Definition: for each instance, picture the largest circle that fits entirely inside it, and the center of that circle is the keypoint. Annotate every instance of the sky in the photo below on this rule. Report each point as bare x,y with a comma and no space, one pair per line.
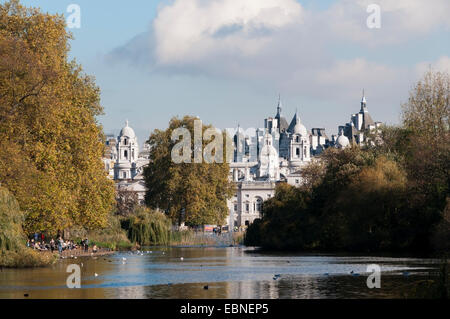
227,61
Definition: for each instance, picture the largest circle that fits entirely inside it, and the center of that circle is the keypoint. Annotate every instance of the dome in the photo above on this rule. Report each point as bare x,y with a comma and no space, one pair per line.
299,128
342,141
127,131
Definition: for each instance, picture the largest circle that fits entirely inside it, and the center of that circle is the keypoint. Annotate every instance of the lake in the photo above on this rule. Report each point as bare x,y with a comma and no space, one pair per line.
229,272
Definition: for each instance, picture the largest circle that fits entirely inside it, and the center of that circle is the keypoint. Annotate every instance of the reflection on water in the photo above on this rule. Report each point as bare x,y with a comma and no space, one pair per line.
228,272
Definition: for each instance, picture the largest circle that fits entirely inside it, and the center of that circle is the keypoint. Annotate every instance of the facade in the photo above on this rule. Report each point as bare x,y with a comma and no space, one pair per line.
125,163
274,154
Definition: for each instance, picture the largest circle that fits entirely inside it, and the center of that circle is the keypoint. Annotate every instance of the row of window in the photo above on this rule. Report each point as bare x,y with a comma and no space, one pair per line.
257,206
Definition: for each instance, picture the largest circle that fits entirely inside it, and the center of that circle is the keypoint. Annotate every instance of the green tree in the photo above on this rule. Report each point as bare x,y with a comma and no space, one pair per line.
51,143
194,193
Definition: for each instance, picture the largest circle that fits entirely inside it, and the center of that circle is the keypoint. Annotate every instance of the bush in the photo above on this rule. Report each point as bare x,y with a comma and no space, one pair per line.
147,227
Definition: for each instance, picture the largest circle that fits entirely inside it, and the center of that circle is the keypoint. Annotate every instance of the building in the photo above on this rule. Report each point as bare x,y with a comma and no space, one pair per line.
274,154
125,163
356,131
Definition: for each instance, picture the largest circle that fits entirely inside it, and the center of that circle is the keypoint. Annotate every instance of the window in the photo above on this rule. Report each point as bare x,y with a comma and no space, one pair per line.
297,151
297,181
247,207
247,223
259,205
124,174
298,139
235,207
125,154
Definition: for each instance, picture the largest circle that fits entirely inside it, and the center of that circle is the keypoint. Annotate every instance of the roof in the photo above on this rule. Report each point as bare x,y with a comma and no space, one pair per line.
367,120
282,123
127,131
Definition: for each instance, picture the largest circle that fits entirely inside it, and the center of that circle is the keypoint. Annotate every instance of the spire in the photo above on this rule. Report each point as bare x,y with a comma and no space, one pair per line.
238,129
126,123
279,107
363,102
297,119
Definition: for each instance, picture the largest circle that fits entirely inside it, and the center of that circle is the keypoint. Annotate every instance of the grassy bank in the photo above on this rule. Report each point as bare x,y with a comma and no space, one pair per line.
27,258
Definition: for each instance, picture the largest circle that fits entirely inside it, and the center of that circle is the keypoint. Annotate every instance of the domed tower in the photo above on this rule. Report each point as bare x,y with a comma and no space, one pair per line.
342,140
127,154
268,159
299,143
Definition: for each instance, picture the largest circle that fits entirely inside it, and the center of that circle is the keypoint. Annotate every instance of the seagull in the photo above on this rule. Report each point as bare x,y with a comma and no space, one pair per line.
95,274
123,258
181,258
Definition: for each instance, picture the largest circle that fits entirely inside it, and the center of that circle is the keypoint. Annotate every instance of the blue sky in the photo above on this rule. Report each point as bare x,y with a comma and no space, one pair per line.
227,60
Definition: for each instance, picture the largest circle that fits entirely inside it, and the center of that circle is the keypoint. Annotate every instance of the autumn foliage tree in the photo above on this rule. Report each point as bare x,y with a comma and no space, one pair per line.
193,193
50,142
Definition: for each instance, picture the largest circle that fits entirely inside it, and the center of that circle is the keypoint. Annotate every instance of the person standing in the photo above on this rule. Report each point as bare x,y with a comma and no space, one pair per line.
86,245
52,245
60,245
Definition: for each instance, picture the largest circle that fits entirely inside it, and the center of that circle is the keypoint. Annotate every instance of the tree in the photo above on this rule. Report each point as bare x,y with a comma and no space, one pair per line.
126,201
427,160
194,193
51,143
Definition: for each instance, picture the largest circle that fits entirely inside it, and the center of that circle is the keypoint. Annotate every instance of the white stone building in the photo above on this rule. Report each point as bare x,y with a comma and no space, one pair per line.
125,163
355,131
275,154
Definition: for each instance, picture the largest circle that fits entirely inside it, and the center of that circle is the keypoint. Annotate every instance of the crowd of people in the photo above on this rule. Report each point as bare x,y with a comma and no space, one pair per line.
37,242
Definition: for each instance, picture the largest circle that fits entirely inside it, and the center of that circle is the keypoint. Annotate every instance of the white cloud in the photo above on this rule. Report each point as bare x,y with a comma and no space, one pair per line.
416,15
287,48
192,30
442,64
401,20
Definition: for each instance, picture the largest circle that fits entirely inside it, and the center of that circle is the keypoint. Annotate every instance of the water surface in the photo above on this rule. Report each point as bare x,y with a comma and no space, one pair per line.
232,272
